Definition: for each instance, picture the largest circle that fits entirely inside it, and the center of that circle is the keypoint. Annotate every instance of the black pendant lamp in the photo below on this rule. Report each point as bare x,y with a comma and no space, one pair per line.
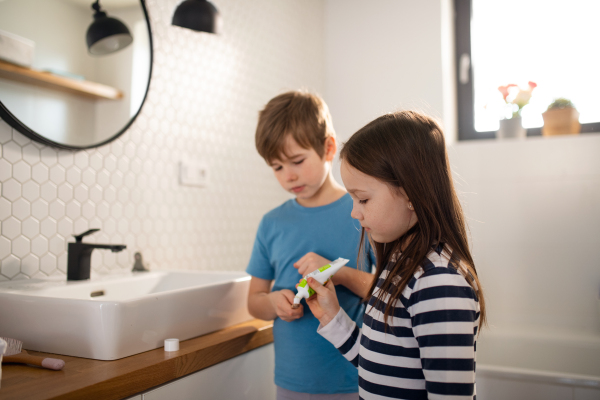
197,15
106,35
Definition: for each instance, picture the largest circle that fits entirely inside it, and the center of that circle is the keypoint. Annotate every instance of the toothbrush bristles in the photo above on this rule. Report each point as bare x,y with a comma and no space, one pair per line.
14,346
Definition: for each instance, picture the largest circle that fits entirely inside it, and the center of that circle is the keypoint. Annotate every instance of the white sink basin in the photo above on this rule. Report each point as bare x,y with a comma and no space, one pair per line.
115,317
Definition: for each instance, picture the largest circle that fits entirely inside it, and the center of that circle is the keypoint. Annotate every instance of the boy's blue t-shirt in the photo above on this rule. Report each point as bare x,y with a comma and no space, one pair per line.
304,361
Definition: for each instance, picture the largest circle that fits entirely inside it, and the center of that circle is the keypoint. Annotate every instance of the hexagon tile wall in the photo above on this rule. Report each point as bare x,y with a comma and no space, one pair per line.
204,97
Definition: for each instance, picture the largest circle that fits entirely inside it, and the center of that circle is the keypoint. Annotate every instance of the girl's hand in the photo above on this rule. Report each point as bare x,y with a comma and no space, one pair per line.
282,304
324,303
309,263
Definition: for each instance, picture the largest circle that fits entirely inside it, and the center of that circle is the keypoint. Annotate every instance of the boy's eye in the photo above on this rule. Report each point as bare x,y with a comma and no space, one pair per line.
299,162
277,168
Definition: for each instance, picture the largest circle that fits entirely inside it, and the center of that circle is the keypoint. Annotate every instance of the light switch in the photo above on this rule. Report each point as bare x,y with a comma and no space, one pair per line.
193,174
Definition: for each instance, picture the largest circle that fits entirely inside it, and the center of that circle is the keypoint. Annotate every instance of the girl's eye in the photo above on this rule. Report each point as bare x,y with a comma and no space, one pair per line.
362,202
277,168
299,162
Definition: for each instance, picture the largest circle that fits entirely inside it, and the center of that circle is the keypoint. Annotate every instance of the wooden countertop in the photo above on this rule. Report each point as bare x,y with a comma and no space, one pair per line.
93,379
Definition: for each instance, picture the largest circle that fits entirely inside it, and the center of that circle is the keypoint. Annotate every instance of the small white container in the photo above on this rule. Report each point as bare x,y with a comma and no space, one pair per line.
3,346
16,49
171,344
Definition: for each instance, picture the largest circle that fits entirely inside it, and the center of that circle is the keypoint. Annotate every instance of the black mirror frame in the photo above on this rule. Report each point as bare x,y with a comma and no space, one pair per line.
15,123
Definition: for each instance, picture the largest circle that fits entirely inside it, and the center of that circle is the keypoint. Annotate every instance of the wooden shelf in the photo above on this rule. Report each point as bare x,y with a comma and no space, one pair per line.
48,80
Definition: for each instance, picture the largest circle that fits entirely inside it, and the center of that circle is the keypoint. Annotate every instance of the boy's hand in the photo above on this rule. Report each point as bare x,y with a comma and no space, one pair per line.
309,263
282,304
324,303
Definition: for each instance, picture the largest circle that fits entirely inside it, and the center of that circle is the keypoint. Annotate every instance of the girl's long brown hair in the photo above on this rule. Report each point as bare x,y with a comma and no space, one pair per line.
407,150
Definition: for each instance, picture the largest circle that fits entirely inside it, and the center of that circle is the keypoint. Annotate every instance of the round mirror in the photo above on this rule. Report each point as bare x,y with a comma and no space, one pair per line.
64,80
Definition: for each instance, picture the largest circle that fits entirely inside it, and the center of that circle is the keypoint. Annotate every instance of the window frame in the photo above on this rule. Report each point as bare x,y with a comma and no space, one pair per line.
464,90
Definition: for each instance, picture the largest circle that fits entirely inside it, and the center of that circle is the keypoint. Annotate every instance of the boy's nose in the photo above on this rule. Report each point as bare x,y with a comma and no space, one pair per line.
291,176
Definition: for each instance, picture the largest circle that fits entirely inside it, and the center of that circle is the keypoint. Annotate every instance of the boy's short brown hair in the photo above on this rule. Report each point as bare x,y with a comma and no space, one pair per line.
301,114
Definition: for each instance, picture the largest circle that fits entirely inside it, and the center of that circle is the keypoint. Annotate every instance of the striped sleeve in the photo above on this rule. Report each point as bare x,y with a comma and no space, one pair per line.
444,313
344,334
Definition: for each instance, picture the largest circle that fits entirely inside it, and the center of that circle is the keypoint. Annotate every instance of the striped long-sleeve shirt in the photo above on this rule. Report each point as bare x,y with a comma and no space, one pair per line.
428,350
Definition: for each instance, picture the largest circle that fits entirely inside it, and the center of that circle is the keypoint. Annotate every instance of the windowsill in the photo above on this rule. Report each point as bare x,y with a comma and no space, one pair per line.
529,139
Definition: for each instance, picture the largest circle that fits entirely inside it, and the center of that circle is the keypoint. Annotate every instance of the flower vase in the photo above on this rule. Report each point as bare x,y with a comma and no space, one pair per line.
511,129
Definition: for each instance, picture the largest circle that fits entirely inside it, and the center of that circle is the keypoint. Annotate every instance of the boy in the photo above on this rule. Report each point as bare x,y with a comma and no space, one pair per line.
295,136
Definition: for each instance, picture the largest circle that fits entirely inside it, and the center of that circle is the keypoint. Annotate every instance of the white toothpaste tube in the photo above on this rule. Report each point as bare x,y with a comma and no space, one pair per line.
321,275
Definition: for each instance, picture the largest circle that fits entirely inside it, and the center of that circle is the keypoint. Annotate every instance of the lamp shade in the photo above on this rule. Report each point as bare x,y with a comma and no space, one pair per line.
106,35
198,15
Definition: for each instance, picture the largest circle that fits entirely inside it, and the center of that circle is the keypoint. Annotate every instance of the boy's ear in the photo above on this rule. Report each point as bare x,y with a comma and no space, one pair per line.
330,148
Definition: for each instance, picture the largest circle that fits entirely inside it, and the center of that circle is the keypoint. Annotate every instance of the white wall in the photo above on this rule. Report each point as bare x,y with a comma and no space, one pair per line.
60,49
203,104
533,210
385,55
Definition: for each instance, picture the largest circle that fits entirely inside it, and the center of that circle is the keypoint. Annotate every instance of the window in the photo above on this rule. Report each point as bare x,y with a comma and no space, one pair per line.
552,43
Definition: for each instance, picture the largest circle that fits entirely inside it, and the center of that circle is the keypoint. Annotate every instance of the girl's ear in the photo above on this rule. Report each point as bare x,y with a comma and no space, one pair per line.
330,148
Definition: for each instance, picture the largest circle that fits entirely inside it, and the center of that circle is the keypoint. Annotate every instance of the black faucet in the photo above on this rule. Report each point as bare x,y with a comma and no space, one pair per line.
80,254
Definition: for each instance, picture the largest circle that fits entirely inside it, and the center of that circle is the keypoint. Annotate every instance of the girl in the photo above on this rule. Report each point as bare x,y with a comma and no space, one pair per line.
424,310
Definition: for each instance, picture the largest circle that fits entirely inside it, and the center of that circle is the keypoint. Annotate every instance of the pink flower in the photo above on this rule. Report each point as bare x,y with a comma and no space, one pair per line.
504,90
516,98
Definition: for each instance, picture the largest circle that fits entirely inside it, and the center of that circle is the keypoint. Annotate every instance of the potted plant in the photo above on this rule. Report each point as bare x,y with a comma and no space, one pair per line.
561,118
515,98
